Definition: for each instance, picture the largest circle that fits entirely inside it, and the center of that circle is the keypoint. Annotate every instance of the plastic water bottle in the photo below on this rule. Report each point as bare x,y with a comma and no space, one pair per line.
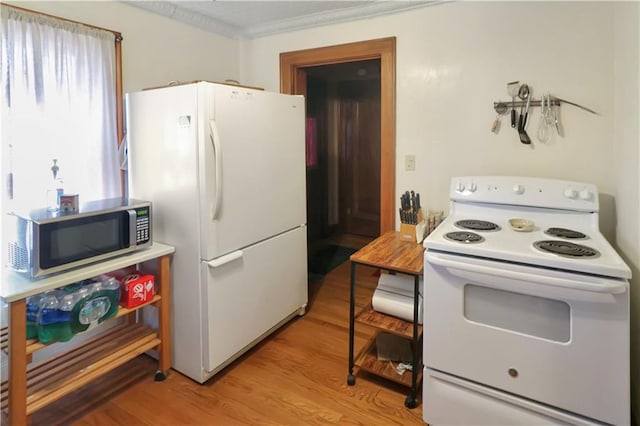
57,315
48,313
53,317
102,303
33,307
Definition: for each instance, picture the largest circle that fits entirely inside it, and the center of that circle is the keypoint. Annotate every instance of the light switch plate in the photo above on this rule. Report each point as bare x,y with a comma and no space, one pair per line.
409,163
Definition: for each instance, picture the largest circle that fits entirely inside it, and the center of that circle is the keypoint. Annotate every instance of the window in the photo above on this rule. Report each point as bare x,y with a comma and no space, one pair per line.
61,100
59,103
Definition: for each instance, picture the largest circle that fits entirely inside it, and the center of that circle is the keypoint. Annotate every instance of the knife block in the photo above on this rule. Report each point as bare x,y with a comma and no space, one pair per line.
408,231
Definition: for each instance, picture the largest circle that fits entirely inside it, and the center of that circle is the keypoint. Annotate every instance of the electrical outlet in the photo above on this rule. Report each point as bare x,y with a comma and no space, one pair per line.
409,162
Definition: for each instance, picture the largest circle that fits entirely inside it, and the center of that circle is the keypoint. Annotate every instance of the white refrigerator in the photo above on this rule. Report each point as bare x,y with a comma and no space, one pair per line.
224,167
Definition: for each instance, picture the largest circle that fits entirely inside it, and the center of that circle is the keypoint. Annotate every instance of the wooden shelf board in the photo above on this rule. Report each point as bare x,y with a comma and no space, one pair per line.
59,376
392,253
387,323
125,311
95,347
367,360
34,345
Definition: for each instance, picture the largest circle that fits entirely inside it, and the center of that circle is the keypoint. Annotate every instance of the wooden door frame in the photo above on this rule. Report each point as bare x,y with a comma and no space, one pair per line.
293,80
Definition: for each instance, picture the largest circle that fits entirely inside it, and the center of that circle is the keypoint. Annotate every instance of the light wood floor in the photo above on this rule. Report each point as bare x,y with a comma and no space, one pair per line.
297,376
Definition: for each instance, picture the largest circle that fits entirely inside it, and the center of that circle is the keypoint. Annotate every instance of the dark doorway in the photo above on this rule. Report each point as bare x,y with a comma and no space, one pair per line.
343,150
337,205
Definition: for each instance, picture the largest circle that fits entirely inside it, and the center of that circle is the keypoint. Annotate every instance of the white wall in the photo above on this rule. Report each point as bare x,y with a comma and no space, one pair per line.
627,164
453,62
155,49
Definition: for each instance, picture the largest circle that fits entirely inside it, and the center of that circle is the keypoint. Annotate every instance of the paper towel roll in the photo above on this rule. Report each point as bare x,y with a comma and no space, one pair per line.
399,284
395,304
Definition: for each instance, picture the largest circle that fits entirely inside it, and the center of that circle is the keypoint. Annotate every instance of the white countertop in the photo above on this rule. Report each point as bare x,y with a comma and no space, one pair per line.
16,286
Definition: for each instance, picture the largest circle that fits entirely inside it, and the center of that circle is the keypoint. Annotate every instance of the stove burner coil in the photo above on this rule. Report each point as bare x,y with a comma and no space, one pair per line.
477,225
464,237
565,233
567,249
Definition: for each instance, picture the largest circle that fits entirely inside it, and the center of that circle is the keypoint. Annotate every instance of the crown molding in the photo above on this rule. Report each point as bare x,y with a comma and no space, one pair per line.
370,10
172,10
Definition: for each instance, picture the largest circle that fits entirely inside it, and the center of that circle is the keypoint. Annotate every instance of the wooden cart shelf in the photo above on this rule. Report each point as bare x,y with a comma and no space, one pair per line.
388,323
33,385
367,360
34,345
54,378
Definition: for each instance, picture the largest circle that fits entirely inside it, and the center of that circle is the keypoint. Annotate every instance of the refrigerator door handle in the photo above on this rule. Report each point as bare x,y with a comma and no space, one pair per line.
223,260
217,155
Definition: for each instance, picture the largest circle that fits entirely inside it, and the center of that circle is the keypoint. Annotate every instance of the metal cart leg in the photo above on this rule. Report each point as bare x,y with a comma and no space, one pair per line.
351,380
411,402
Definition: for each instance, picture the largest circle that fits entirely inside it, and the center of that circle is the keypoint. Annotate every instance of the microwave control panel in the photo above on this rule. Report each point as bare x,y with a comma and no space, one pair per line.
143,225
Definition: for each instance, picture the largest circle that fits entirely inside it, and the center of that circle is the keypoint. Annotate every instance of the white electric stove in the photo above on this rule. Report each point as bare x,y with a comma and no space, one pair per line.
526,308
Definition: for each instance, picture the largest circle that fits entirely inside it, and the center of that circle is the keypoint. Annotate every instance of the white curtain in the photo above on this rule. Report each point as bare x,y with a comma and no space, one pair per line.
58,102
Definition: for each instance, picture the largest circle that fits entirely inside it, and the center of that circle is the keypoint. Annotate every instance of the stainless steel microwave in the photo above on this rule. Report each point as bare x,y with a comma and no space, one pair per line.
46,242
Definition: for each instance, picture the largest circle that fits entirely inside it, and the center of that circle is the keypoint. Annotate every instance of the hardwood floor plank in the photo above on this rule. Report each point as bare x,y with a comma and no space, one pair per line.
297,376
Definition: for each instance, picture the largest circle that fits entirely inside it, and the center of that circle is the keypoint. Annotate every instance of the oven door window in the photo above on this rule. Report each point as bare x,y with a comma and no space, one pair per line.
521,313
69,241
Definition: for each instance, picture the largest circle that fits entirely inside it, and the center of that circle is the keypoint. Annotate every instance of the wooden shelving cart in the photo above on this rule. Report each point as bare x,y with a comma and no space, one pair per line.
32,386
393,253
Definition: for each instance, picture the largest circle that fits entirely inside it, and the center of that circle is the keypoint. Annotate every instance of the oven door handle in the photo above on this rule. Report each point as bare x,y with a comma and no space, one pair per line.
600,285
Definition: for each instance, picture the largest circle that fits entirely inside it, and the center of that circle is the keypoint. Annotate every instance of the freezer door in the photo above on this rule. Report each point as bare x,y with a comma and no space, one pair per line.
252,166
249,292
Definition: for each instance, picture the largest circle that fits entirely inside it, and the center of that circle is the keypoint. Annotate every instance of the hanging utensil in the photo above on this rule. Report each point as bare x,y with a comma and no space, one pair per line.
523,93
501,108
545,119
555,119
512,88
526,111
549,113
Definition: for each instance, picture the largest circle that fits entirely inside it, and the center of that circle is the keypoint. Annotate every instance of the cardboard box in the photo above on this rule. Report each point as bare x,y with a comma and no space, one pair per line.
136,289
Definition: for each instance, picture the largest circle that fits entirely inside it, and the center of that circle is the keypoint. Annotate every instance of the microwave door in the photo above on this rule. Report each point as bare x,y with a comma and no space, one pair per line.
66,242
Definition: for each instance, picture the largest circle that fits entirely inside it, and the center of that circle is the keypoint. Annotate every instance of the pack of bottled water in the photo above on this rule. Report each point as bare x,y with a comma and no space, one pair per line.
57,315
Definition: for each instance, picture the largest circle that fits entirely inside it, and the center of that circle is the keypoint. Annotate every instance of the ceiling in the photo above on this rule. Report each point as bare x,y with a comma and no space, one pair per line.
245,19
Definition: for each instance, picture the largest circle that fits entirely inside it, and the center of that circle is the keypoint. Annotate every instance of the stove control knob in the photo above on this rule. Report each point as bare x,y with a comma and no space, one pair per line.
571,193
586,195
472,187
518,189
460,187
